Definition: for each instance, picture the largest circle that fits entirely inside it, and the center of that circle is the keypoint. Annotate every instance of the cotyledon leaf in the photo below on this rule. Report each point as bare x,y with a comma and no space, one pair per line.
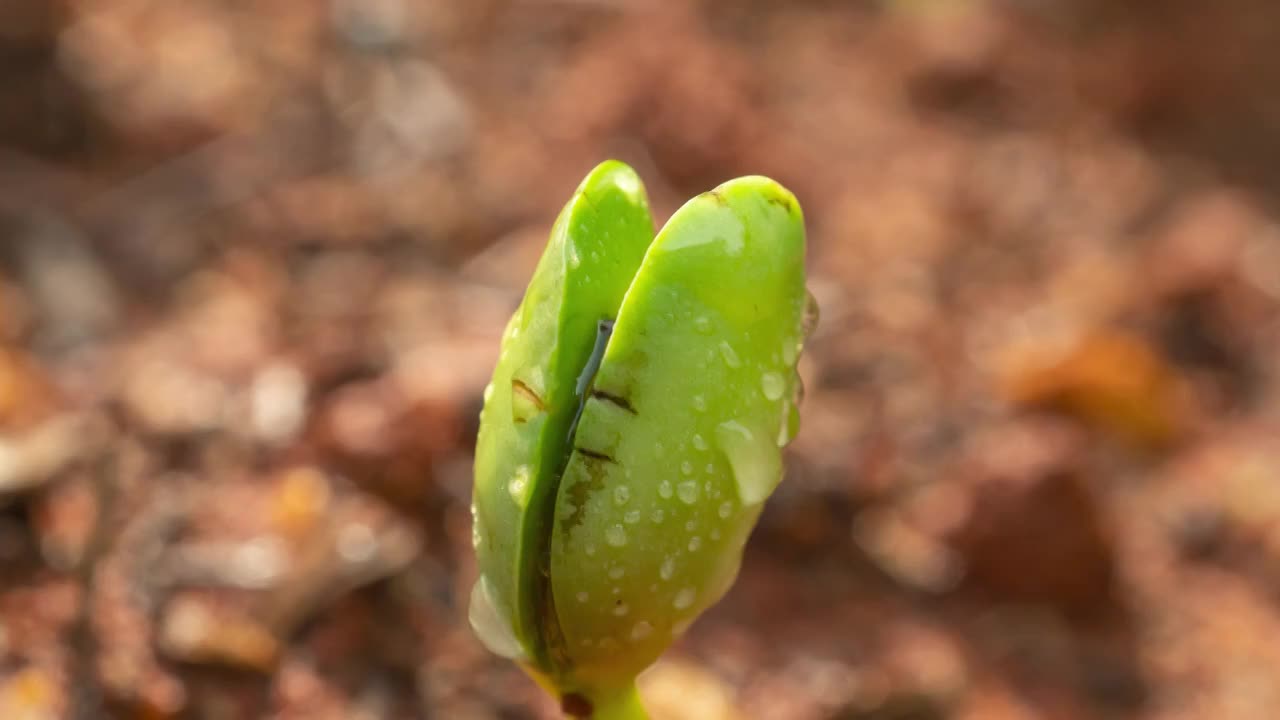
634,428
596,246
679,442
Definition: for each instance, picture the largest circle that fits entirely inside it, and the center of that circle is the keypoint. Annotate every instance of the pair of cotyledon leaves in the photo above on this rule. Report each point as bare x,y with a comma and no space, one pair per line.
634,425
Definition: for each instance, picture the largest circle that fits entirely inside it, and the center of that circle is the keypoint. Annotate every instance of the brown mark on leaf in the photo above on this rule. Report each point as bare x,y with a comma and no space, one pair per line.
596,455
583,480
782,201
518,387
614,399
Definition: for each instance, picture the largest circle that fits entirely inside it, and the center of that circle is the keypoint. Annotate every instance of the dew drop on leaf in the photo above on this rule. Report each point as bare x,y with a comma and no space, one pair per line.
641,630
688,492
772,384
756,466
493,629
518,487
729,354
616,536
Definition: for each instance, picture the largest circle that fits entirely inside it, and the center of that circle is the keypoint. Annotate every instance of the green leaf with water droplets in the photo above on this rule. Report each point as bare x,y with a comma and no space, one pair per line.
596,247
677,447
634,428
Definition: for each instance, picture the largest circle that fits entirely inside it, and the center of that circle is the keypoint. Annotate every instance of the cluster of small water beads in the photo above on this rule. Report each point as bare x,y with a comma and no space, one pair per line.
756,468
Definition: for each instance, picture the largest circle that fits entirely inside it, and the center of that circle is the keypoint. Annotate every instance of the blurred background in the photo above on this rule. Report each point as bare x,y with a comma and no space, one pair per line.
256,257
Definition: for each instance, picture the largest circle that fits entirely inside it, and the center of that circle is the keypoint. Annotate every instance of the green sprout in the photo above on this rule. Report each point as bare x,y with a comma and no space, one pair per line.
634,428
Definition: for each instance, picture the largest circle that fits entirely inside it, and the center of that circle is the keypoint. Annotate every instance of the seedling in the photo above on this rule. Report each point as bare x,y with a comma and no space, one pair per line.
634,428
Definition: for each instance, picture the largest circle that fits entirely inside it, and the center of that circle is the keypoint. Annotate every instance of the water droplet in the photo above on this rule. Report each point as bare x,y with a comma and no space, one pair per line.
730,357
664,489
621,609
657,515
591,550
689,526
641,630
632,517
616,572
519,486
789,423
668,568
695,542
699,403
490,625
572,251
616,536
789,352
684,598
772,384
582,596
726,507
488,392
688,492
686,467
475,535
621,495
756,466
702,324
809,321
699,442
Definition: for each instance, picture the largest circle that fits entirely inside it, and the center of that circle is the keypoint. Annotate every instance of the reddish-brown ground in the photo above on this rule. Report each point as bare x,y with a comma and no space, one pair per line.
255,259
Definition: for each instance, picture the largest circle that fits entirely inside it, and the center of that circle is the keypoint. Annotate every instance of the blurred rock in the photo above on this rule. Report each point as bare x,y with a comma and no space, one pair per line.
682,690
1113,382
1036,532
913,557
32,458
28,394
73,298
32,693
374,434
153,64
65,517
197,629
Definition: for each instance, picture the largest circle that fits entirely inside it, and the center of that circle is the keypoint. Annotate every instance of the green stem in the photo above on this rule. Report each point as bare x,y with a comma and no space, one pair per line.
617,704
